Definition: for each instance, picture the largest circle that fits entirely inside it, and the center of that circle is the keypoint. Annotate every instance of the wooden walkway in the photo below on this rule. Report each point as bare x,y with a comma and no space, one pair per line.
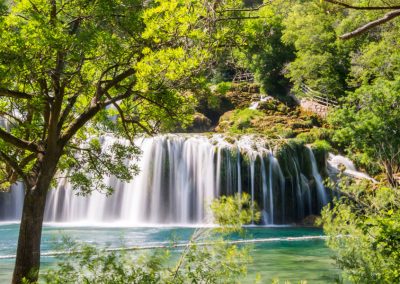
244,77
316,102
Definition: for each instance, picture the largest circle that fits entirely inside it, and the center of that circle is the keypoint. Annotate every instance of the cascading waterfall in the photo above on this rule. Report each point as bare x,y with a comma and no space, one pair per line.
11,203
181,174
323,197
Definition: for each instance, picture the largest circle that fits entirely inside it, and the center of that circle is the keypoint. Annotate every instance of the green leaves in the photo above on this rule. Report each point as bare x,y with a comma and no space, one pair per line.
320,61
90,165
232,212
208,257
90,69
369,122
363,229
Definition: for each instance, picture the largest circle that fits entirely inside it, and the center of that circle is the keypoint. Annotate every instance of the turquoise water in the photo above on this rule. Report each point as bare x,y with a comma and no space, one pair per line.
293,260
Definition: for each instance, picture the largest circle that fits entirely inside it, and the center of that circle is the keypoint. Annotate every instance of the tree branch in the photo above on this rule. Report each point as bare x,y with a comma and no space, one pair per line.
67,110
117,79
87,115
386,18
13,165
19,143
96,105
362,7
80,122
238,18
242,9
124,121
167,110
27,160
14,94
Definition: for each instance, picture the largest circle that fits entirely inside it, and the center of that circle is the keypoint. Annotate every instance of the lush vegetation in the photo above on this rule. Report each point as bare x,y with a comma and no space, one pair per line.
207,258
72,71
363,228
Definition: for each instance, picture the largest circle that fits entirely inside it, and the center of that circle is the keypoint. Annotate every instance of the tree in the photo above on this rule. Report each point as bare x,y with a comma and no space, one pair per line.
369,122
264,53
320,62
208,257
380,6
363,232
73,71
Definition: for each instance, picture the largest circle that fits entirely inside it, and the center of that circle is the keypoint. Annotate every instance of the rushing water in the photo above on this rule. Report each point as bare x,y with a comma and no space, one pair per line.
181,174
294,260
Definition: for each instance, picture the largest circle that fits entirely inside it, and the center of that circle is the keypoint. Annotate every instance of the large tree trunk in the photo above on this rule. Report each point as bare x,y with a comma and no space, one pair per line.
28,251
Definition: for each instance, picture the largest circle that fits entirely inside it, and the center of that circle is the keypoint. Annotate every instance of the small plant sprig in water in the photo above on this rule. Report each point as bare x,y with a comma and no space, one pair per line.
208,257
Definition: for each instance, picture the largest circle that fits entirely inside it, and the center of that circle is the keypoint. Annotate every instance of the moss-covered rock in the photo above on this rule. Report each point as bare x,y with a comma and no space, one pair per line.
200,123
273,119
238,121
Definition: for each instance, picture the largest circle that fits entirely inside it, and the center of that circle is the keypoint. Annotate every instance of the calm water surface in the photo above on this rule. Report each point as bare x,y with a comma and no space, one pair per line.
294,260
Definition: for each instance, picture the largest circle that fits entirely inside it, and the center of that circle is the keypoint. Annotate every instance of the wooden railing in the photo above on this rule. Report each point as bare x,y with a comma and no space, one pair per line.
318,97
244,77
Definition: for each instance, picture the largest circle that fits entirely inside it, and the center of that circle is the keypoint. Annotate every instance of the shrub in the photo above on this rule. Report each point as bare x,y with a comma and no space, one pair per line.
363,228
206,258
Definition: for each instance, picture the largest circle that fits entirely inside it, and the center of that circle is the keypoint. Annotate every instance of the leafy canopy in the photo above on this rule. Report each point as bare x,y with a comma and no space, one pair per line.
74,71
369,122
363,231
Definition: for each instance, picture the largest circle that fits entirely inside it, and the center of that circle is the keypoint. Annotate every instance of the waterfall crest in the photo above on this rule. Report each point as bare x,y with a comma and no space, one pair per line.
181,174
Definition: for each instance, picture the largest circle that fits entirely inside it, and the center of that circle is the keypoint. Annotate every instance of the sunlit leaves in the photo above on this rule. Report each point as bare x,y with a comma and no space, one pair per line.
208,257
363,229
369,123
320,62
232,212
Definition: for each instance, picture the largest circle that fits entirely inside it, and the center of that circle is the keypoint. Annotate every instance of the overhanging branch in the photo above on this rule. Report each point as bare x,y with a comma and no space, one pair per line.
242,9
89,114
14,94
339,3
19,143
12,164
386,18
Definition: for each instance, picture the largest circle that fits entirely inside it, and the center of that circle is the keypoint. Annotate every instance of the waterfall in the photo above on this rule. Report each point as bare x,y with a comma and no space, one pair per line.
336,161
181,174
11,203
322,195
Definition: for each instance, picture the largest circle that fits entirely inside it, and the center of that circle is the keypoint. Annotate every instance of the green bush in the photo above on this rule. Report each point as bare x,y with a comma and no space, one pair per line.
207,258
316,133
363,229
223,88
321,146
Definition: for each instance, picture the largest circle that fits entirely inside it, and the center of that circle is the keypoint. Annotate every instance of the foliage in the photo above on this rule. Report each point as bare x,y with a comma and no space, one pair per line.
265,54
223,87
321,63
369,122
321,146
207,258
376,59
363,231
72,72
64,74
317,133
231,212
